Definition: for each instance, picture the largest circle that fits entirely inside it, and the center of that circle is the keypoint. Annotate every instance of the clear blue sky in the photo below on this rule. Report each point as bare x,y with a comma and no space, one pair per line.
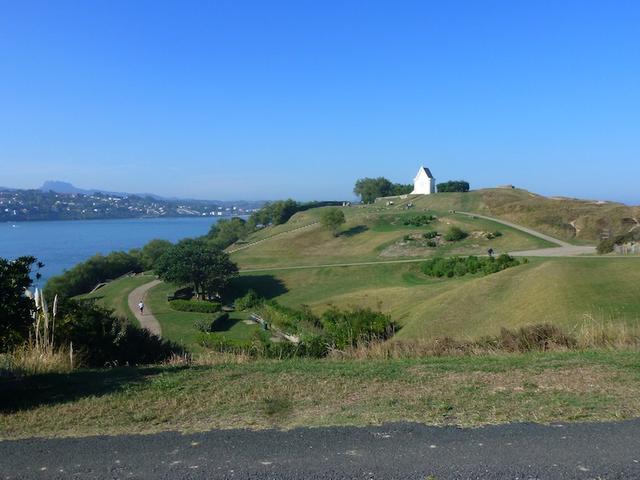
265,100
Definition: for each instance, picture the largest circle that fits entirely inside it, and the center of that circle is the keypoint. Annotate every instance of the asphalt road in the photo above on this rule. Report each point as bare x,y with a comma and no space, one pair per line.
402,451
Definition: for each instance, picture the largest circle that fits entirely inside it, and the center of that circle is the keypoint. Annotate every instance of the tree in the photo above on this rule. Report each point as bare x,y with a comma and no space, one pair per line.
199,264
332,218
152,251
15,306
228,232
368,189
453,186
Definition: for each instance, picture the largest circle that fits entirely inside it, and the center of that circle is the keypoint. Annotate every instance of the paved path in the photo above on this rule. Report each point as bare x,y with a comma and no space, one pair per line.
396,451
248,245
147,320
564,249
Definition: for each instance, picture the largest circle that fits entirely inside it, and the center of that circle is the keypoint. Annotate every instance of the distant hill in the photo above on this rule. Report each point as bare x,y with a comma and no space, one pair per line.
566,218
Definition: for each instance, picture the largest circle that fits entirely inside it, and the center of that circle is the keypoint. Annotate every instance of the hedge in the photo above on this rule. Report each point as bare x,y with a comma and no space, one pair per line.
195,306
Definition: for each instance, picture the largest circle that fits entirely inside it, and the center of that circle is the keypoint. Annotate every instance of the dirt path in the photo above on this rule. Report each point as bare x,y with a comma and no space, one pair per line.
564,249
147,320
248,245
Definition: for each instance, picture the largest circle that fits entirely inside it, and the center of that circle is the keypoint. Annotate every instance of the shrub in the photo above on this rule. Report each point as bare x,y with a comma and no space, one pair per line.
86,275
432,243
492,235
605,246
453,186
430,235
461,266
195,306
250,300
102,339
418,220
455,234
407,238
350,327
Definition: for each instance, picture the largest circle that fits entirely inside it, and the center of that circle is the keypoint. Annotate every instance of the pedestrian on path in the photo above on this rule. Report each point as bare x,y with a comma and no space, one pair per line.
141,307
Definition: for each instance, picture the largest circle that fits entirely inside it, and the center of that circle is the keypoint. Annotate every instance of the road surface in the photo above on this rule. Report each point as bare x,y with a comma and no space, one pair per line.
147,320
564,249
397,451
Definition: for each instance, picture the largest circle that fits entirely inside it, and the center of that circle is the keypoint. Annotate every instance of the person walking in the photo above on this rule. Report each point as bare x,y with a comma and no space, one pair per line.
141,307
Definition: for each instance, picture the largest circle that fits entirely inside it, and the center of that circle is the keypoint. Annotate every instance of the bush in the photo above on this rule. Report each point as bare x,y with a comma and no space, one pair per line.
432,243
359,325
209,324
250,300
605,246
195,306
430,235
102,339
492,235
86,275
461,266
453,186
418,220
455,234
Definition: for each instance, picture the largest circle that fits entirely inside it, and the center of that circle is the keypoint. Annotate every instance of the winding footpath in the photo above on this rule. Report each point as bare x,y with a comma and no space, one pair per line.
564,249
147,320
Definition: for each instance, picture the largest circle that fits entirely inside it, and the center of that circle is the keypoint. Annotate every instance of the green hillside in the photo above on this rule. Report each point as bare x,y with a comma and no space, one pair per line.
565,218
372,233
568,292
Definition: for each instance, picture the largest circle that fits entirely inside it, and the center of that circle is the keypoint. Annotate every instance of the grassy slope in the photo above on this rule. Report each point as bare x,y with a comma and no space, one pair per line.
286,394
368,231
549,215
114,295
563,291
179,326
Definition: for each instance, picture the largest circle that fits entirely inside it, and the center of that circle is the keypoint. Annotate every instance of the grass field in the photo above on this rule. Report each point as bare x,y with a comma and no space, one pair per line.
373,233
465,391
564,291
579,221
179,326
114,295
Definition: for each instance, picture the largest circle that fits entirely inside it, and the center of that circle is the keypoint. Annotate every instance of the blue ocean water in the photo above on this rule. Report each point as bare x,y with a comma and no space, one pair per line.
62,244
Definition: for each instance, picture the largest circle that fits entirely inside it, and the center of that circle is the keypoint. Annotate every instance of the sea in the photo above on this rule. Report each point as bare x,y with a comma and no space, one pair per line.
62,244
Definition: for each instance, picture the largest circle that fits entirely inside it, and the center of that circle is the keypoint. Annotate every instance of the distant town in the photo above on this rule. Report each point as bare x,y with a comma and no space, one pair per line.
38,204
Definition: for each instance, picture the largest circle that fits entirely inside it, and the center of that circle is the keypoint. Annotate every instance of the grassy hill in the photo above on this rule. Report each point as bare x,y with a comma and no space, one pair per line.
372,233
568,292
565,218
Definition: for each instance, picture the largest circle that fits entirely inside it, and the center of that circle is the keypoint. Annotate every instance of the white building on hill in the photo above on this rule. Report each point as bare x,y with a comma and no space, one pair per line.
424,183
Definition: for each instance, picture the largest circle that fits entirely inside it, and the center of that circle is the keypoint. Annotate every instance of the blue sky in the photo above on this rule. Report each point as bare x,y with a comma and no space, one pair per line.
265,100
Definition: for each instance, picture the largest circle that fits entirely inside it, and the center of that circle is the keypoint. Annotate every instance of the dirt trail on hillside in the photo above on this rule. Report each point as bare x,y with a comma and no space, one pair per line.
147,320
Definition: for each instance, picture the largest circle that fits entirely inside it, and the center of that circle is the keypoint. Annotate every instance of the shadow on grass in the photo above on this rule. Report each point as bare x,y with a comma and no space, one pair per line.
353,231
225,324
266,286
56,388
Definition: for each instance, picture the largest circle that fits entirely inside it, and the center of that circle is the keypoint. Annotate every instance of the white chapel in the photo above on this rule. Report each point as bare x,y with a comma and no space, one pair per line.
424,183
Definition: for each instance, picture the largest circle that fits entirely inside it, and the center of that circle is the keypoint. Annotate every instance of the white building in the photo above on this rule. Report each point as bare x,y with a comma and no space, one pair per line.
424,183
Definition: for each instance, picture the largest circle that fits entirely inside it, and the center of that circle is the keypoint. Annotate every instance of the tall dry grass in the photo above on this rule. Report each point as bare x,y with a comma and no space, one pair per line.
591,334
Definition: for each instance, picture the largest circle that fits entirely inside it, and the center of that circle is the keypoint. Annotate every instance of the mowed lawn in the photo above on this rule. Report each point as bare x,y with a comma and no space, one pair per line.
468,391
114,295
179,326
368,235
568,292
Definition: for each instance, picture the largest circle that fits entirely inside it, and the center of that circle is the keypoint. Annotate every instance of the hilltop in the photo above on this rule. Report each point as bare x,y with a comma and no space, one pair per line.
566,218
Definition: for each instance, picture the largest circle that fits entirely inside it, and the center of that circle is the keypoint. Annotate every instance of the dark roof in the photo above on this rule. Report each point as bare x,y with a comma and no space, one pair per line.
427,171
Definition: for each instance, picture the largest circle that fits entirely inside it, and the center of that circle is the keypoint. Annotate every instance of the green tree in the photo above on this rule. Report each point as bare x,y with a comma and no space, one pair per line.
15,306
227,232
453,186
455,234
199,264
152,251
333,219
368,189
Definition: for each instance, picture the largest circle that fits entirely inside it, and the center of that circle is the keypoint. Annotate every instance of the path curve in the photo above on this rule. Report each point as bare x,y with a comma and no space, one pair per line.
564,249
147,321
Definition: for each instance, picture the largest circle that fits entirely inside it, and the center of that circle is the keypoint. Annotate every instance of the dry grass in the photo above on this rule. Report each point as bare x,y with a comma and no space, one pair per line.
468,391
30,360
